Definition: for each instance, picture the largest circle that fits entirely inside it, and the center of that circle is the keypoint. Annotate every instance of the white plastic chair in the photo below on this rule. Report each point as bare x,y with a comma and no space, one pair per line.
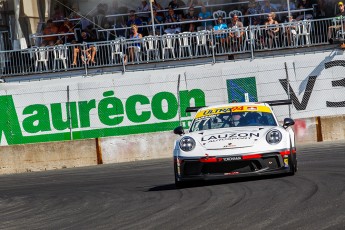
60,55
117,51
303,31
168,44
185,43
151,46
218,13
41,56
236,12
201,42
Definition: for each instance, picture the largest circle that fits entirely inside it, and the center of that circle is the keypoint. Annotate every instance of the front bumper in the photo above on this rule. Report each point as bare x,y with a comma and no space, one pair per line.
235,166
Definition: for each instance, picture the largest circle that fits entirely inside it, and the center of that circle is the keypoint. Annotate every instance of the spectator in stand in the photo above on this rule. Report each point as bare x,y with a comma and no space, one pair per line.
66,27
253,8
205,15
171,18
58,13
320,9
144,7
134,20
87,48
156,5
267,8
50,29
75,12
304,4
174,4
136,45
285,7
237,32
337,27
194,3
290,30
219,32
272,28
191,27
157,20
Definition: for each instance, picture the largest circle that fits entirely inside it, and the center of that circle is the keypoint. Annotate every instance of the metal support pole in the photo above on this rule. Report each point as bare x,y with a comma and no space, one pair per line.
152,19
288,86
69,114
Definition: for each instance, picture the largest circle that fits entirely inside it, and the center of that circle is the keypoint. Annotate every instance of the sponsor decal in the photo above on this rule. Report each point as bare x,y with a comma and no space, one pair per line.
227,109
230,136
107,116
235,158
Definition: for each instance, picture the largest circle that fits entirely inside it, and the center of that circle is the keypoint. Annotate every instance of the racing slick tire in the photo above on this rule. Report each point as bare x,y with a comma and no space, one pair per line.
293,164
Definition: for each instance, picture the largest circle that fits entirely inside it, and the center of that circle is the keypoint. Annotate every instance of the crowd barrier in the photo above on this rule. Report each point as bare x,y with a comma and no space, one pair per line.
186,45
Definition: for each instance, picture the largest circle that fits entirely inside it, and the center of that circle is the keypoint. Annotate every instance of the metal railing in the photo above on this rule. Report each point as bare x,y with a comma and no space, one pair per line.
203,44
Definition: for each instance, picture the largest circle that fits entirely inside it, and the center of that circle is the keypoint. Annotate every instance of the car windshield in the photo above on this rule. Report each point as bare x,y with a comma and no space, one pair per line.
235,119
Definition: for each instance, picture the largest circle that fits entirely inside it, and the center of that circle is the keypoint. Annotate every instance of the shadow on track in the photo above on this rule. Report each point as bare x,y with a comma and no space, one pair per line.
191,184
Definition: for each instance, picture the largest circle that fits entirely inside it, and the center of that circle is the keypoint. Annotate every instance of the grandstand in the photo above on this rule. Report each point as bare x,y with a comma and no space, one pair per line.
107,50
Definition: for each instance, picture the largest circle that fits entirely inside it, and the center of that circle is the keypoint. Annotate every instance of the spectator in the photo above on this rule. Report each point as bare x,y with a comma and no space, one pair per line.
171,18
156,5
75,12
285,7
205,15
336,27
290,30
58,13
193,3
272,28
144,7
157,20
174,4
50,30
191,27
267,8
304,4
219,31
135,46
66,27
237,32
253,8
88,49
133,20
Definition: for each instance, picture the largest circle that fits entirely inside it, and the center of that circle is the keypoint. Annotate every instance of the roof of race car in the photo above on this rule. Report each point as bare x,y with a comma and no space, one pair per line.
234,107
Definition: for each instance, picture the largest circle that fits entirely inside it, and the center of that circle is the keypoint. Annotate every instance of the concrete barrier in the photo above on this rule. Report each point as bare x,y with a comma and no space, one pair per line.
333,128
137,147
57,155
47,156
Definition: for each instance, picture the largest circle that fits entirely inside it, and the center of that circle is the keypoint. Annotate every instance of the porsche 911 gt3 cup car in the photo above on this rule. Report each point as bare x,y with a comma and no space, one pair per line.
231,140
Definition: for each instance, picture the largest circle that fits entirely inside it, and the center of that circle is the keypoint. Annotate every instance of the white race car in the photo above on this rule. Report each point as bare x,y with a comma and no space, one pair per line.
234,140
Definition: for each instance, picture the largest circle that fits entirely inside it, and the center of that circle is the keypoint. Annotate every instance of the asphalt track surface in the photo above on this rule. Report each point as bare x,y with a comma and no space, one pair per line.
141,195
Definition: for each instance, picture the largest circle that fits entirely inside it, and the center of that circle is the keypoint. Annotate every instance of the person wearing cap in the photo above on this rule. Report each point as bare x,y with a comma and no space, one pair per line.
339,25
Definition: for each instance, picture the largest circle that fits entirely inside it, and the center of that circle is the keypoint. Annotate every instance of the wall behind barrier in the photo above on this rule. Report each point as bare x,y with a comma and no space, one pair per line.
145,102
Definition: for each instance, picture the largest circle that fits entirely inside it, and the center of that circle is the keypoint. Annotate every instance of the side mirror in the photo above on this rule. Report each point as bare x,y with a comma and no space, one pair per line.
288,122
179,130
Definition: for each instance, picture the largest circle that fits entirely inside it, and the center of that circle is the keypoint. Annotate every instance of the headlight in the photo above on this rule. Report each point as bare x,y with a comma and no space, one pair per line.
274,137
187,144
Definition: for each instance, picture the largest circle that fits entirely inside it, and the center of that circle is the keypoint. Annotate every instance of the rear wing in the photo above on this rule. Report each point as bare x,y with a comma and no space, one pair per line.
271,103
194,109
278,102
